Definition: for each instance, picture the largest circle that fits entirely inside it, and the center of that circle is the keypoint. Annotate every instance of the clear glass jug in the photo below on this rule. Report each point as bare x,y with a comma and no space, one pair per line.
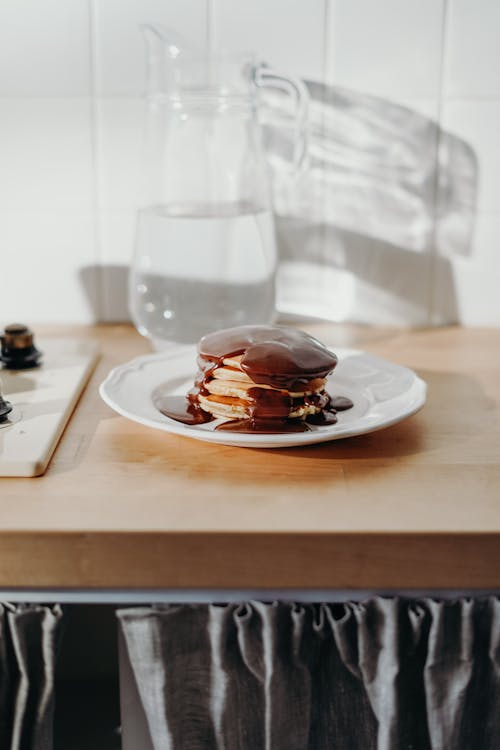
205,255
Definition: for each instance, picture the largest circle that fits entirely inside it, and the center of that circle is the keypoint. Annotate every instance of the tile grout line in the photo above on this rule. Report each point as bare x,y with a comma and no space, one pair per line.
94,143
328,40
493,98
328,21
433,261
210,26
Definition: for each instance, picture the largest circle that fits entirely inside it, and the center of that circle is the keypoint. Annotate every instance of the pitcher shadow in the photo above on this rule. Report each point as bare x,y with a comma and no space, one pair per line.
387,202
385,205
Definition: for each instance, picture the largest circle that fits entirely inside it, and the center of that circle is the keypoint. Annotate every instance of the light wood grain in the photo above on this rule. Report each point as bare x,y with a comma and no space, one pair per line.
414,505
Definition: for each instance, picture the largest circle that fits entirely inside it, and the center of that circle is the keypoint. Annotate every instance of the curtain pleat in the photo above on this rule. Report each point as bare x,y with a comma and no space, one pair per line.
29,635
383,674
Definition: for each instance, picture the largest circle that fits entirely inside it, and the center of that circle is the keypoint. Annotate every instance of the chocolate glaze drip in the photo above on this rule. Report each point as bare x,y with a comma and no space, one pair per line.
182,409
340,403
267,404
272,355
265,426
283,358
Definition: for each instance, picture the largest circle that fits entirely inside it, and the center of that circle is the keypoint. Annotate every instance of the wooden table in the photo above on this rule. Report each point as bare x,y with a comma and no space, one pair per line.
414,506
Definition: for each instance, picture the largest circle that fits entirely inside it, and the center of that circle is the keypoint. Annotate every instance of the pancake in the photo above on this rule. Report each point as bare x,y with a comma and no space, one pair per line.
259,379
262,373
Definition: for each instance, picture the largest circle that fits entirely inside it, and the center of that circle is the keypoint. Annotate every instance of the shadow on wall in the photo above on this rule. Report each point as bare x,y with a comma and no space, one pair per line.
367,232
114,289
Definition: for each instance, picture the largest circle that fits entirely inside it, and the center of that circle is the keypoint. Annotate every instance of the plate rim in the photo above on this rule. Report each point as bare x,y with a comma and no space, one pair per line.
278,440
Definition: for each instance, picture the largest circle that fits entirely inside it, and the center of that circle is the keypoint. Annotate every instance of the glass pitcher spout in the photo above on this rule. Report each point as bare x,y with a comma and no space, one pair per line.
163,46
177,69
160,40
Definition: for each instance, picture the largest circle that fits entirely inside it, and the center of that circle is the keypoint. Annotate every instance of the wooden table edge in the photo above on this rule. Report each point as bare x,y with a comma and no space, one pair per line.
245,560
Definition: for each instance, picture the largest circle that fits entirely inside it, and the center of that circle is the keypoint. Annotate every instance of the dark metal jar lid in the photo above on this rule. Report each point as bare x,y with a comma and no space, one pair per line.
18,350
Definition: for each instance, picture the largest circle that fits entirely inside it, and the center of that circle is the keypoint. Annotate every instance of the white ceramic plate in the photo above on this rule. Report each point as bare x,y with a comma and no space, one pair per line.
383,393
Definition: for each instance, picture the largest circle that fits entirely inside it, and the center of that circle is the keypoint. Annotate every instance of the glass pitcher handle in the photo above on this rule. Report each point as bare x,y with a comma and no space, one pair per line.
294,87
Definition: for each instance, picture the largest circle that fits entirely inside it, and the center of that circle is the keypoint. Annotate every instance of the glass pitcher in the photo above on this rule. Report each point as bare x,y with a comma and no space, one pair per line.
205,254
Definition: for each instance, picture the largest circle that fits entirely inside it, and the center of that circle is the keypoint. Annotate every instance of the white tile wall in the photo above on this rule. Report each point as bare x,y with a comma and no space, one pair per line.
117,234
471,109
287,34
71,78
474,49
477,277
44,48
427,106
50,263
477,122
45,153
389,48
47,233
119,138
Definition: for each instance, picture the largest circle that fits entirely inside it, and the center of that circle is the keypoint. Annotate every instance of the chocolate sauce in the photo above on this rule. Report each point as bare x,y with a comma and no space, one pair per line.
340,403
272,355
283,358
267,404
322,418
263,426
182,410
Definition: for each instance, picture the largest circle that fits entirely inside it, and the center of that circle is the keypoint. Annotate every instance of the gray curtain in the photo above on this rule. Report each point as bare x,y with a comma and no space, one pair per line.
385,674
29,635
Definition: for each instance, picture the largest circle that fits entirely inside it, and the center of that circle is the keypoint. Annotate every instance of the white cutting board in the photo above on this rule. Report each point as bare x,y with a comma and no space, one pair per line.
43,400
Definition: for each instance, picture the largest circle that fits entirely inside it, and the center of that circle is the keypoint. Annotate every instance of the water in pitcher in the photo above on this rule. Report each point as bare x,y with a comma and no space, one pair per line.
198,268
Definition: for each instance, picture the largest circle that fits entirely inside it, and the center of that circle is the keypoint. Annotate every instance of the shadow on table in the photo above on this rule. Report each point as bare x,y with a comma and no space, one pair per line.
441,424
441,429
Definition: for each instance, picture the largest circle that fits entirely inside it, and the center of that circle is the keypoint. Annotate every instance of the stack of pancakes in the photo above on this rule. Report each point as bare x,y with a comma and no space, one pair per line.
232,394
262,373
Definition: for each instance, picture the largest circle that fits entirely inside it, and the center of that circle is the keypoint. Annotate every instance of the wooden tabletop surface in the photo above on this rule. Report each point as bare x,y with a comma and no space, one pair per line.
416,505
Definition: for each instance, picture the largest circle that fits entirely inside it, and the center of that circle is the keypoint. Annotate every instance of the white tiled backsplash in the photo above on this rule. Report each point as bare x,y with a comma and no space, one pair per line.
71,80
